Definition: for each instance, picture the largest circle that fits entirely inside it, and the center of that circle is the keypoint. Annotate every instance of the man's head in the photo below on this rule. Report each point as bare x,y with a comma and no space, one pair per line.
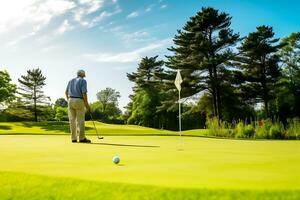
81,73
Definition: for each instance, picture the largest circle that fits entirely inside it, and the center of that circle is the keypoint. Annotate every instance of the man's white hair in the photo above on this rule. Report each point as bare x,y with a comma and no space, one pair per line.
80,72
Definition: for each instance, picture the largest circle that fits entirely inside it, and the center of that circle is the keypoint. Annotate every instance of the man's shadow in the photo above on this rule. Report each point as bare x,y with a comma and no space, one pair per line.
124,145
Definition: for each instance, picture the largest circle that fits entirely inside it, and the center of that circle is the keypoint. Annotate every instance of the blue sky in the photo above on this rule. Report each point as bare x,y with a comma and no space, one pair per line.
107,38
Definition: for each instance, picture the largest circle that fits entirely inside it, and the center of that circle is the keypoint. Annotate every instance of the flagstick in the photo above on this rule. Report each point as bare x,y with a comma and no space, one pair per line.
177,82
179,113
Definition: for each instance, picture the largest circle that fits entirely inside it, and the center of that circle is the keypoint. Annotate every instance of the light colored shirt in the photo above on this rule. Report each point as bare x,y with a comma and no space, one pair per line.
76,87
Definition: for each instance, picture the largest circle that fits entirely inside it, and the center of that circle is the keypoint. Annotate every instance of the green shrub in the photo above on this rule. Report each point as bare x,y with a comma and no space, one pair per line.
61,114
293,129
262,128
239,130
218,128
244,131
276,131
249,131
212,125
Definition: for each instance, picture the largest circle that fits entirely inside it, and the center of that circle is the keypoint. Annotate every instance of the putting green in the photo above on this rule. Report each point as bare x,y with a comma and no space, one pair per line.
59,128
173,162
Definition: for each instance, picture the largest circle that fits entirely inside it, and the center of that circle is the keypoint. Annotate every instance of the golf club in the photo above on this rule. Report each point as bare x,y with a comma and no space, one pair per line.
99,137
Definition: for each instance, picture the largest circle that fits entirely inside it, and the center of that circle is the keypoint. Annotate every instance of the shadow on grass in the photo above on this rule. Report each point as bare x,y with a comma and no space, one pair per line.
3,127
51,126
125,145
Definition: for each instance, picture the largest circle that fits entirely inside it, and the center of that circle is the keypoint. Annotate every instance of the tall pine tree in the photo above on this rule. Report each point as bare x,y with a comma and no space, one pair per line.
289,96
259,64
31,92
201,51
146,98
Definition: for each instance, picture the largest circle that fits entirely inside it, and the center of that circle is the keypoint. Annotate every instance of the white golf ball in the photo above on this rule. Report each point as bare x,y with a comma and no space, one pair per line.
116,159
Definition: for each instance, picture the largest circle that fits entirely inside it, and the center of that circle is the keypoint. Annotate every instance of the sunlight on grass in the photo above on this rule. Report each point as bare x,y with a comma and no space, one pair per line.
25,186
105,129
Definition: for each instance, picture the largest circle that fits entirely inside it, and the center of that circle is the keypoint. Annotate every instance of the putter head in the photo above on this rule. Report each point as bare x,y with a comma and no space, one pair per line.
100,138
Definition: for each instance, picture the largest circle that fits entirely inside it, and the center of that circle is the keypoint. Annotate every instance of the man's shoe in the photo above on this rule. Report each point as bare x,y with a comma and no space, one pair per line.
74,141
85,141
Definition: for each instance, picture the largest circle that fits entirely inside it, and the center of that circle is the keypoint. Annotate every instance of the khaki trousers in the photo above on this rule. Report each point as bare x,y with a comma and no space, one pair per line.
76,117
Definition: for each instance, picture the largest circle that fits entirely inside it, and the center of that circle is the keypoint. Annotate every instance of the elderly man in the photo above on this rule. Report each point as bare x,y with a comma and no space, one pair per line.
76,94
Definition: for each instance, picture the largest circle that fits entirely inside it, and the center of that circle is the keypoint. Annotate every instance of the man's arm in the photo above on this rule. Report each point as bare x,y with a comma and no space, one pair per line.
84,95
86,102
67,94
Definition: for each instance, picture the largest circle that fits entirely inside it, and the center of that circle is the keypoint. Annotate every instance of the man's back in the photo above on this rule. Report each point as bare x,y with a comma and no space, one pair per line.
76,87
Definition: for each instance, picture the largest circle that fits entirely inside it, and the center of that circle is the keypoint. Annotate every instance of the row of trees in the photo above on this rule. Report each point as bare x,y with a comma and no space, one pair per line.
28,101
224,76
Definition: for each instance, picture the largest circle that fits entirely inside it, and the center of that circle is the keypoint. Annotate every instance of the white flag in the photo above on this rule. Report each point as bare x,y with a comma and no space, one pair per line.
178,80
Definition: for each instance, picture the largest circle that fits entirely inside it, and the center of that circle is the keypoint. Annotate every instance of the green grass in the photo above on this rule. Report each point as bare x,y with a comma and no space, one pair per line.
104,129
152,167
36,187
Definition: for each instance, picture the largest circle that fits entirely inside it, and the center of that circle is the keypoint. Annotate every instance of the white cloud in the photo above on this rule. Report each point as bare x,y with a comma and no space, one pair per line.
15,13
148,9
65,26
116,29
163,6
23,19
50,48
15,41
80,15
31,13
91,5
95,21
138,36
131,56
133,14
130,38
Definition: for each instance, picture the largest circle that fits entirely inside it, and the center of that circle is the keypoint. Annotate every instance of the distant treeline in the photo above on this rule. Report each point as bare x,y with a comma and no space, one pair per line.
29,103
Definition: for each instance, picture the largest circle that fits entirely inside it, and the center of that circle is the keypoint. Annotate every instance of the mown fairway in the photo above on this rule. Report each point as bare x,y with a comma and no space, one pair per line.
152,167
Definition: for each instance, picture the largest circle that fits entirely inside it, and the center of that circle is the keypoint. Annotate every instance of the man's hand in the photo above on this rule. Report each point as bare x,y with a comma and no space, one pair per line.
86,102
88,108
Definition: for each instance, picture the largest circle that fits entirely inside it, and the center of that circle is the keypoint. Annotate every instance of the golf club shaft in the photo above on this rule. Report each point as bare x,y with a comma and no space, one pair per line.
95,126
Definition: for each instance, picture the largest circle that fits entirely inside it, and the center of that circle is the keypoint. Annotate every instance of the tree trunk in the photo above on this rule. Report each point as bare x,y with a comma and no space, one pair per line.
213,80
219,108
265,89
218,96
266,107
213,93
34,101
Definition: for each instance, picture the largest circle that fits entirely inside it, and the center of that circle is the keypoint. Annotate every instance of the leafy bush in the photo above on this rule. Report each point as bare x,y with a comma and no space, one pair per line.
276,131
61,114
212,125
262,128
239,130
293,129
244,131
249,131
218,128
